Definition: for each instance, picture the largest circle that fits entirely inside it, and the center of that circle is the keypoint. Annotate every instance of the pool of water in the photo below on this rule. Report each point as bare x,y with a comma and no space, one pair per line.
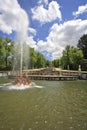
58,105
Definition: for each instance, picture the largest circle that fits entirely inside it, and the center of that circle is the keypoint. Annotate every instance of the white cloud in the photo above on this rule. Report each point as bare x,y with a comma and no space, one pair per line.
43,2
31,42
32,31
81,9
61,35
13,18
47,15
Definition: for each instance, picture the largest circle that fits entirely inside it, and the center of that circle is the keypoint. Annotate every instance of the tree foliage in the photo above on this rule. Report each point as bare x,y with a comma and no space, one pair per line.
71,57
33,58
40,60
6,50
37,60
56,62
82,44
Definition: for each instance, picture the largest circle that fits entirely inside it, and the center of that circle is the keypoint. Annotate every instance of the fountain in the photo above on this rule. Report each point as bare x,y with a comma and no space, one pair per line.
21,61
21,51
21,57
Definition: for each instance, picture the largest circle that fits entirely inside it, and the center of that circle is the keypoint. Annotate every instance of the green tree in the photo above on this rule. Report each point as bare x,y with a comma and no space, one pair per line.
37,60
84,64
76,57
8,44
2,54
47,63
56,62
71,58
33,58
65,59
6,50
41,62
82,44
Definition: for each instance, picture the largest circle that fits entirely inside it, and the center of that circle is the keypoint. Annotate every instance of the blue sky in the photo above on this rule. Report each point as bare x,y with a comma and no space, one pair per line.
46,25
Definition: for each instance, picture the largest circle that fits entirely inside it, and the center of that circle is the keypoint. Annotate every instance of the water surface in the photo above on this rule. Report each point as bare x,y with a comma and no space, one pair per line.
59,105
